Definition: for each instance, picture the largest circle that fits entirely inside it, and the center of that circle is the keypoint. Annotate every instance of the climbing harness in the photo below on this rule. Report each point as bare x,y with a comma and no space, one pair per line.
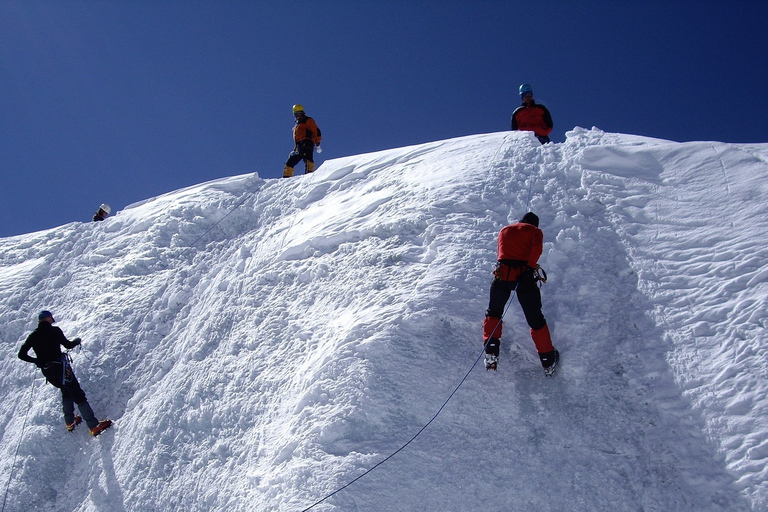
66,371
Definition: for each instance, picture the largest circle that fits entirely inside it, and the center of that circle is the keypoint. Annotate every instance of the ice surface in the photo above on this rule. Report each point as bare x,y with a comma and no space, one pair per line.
260,357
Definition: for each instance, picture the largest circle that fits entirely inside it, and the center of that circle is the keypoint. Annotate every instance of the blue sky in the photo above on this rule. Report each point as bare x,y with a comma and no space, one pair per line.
121,101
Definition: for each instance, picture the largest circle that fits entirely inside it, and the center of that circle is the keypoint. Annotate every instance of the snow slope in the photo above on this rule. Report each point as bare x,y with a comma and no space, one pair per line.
260,344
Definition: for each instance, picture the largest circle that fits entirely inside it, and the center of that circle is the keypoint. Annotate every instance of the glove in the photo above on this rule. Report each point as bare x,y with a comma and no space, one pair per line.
319,149
39,364
77,341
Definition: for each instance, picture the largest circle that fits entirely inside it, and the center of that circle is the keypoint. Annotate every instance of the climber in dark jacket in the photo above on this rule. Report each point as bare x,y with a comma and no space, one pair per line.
46,341
102,213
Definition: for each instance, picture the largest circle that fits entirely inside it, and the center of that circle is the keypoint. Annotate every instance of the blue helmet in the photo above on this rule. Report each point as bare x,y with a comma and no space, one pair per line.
526,88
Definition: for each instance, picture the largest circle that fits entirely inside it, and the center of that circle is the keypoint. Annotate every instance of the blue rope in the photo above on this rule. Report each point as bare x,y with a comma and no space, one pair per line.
420,430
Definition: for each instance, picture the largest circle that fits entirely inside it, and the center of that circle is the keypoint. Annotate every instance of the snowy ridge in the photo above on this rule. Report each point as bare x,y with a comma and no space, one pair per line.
262,363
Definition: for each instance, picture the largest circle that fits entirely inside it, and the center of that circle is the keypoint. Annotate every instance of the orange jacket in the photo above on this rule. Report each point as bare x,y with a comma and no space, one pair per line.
521,241
306,129
532,118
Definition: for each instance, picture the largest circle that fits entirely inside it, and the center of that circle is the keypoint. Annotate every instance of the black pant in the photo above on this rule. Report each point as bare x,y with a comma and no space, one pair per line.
528,295
304,150
60,374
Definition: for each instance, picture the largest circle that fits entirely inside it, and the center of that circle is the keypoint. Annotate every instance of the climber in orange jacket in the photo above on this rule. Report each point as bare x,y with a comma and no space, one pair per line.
306,135
531,116
520,246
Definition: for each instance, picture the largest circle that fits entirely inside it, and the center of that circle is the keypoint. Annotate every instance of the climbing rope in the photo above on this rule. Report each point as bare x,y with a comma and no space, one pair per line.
238,205
21,436
422,429
456,389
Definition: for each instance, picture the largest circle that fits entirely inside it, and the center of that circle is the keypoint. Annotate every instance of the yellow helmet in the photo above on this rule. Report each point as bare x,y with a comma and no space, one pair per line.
298,108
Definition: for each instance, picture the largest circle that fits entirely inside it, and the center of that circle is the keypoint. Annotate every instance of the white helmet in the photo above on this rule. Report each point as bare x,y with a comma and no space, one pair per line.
105,207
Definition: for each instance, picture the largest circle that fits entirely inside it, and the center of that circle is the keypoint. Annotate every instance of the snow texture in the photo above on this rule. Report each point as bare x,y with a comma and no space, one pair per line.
262,343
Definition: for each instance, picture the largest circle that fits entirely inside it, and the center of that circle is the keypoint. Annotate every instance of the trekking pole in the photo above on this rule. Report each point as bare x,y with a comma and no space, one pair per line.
21,436
79,349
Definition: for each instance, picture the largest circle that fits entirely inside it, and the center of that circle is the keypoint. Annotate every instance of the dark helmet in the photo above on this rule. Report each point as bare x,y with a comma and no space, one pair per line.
45,314
530,218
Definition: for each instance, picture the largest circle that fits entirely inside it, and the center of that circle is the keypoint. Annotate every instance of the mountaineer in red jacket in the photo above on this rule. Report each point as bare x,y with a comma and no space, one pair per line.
306,135
520,246
532,116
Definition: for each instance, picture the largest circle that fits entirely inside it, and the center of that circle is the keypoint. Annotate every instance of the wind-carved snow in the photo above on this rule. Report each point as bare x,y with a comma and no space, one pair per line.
260,343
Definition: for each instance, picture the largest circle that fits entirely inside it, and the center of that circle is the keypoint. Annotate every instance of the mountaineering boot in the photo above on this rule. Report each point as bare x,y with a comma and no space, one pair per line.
288,171
310,167
71,426
492,353
102,426
549,362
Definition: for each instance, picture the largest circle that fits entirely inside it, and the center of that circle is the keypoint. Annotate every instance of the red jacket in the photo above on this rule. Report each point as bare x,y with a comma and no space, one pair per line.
532,118
522,242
